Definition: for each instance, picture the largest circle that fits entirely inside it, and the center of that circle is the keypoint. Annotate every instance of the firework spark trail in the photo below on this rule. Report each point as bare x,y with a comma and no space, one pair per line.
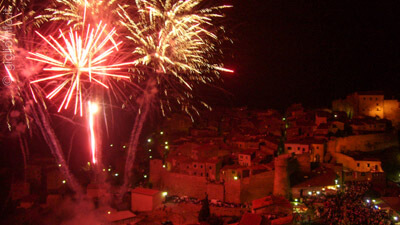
141,116
93,108
24,152
42,121
82,60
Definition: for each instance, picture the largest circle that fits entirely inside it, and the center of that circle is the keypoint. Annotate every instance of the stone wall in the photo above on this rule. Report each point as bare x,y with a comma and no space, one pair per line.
391,109
281,178
236,191
184,185
215,191
232,191
366,142
257,186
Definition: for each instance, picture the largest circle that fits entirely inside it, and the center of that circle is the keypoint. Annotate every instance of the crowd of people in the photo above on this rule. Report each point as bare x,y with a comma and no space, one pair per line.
347,206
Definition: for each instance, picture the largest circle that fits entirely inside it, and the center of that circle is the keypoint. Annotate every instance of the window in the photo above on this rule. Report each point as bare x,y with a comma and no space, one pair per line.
233,171
367,164
358,164
364,98
241,156
210,167
377,104
298,148
317,147
377,109
370,98
201,174
304,149
289,148
207,174
195,173
187,167
195,165
376,98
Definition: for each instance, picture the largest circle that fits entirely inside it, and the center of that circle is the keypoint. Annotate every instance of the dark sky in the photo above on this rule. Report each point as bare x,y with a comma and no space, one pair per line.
312,51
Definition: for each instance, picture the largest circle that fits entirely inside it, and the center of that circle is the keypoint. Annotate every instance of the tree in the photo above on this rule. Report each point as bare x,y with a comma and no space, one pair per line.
204,213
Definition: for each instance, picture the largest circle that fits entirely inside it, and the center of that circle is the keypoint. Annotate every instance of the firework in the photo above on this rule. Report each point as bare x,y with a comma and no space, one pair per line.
81,60
173,44
78,12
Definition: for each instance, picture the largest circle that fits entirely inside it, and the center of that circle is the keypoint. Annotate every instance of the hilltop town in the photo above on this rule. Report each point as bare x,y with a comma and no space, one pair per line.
253,166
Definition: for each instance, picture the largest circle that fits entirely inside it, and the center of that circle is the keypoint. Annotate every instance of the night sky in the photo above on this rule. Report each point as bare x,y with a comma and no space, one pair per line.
288,52
312,51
